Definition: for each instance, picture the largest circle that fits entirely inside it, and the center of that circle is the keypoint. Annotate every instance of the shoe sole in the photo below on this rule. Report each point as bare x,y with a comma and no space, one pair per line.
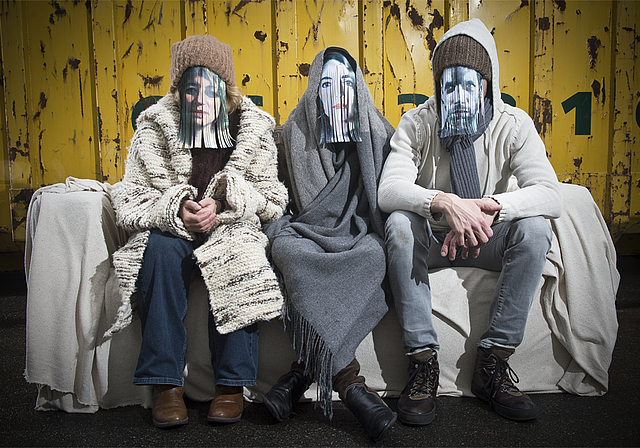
416,419
387,428
165,425
273,410
223,419
503,411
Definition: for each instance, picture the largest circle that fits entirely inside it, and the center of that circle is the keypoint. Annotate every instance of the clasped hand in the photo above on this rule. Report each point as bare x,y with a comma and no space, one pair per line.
470,221
198,217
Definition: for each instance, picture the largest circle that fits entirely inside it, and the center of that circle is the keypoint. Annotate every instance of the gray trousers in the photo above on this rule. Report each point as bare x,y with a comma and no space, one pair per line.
517,250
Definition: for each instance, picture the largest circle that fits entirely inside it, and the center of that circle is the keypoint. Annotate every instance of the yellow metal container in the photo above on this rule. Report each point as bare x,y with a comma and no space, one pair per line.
75,74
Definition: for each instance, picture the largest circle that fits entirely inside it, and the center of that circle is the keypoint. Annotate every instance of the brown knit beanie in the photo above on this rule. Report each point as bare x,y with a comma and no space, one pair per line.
464,51
205,51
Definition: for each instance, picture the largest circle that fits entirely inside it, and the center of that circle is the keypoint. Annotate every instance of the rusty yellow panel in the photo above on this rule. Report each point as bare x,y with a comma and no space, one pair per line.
60,84
18,131
108,119
303,29
373,51
625,157
572,88
248,28
411,30
144,32
458,12
6,242
506,19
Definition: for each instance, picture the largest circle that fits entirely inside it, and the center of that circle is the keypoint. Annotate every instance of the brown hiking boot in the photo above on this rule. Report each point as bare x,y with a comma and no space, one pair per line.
417,402
493,381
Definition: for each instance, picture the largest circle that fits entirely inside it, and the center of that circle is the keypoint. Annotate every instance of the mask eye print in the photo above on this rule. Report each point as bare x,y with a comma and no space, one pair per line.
336,94
461,101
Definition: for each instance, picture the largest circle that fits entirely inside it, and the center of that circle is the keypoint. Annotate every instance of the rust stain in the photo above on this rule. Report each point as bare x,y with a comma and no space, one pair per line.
595,87
43,101
74,63
593,43
544,24
58,12
436,23
236,11
417,21
303,69
561,4
127,11
126,53
542,114
245,80
260,35
153,81
577,162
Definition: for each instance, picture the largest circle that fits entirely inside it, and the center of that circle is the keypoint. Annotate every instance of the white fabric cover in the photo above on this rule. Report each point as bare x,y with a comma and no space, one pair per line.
73,298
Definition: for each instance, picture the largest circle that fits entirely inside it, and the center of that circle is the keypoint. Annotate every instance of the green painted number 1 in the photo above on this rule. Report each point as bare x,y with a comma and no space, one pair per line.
581,102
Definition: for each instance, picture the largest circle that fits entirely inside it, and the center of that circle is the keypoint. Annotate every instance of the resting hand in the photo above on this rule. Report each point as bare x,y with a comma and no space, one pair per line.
198,217
470,221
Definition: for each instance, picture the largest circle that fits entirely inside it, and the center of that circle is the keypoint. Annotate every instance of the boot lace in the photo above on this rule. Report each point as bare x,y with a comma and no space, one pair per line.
424,380
503,378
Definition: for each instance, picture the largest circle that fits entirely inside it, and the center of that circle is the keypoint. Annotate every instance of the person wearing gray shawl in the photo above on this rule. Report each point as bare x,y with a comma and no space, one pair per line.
330,252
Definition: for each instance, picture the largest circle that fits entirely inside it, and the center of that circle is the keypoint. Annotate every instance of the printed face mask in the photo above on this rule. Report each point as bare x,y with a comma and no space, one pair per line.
461,101
204,121
337,93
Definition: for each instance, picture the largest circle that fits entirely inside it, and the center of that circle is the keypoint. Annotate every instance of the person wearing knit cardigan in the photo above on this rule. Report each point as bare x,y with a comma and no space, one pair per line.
195,199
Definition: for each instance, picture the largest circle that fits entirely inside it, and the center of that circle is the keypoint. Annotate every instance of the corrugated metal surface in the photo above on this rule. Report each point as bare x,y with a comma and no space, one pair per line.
75,73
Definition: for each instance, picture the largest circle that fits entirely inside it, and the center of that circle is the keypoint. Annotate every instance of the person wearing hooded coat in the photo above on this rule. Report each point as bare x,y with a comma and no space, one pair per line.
448,197
329,251
194,198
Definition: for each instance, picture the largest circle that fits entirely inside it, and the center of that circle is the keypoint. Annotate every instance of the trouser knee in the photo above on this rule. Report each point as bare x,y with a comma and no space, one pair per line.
533,234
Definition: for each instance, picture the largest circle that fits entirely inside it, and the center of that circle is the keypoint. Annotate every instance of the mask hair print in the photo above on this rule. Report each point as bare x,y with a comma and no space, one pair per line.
204,119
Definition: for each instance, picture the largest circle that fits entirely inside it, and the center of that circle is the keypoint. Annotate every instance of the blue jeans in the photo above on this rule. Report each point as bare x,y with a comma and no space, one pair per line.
163,287
517,249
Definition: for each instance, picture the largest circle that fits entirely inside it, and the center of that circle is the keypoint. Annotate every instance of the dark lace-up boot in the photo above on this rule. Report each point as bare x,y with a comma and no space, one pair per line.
417,402
493,381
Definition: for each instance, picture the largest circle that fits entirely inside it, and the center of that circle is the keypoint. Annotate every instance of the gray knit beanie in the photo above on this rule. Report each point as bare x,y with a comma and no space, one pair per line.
461,50
205,51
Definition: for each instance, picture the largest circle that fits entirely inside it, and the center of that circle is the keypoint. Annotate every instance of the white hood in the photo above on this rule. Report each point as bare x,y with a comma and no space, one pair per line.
475,29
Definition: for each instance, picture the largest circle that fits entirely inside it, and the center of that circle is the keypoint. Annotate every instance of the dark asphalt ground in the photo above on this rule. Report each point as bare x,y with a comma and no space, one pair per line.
564,420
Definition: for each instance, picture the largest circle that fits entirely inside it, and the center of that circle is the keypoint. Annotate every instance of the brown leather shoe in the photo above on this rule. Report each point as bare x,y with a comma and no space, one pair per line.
168,406
226,406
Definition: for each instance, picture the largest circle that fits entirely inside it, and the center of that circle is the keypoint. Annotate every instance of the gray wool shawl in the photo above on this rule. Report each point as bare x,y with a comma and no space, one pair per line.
331,255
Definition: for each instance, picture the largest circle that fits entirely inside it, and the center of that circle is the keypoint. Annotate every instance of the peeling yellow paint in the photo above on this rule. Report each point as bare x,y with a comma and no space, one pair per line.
74,71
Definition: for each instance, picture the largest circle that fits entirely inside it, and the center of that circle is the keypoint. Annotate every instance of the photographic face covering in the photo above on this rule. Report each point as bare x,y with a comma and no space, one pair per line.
204,120
461,101
337,93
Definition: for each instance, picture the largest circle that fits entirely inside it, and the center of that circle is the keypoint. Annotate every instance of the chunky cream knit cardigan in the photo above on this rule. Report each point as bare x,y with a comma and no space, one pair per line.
242,286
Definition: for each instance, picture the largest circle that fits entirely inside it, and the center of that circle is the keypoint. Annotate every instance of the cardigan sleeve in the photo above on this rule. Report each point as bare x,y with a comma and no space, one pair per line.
149,195
538,192
256,191
398,189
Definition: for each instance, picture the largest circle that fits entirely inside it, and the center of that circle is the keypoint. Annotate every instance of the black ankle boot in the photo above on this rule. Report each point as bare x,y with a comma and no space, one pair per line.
493,381
372,413
285,394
